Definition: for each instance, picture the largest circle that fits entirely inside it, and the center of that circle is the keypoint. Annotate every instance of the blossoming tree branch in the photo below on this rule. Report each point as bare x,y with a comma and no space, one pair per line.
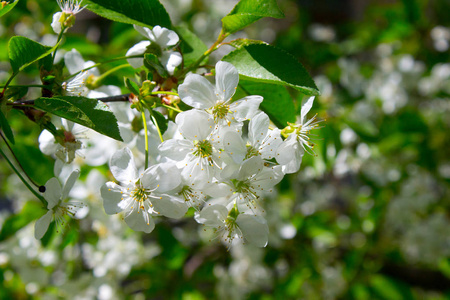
189,133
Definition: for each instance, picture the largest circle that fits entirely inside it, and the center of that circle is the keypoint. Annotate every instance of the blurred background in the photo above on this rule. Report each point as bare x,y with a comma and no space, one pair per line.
367,216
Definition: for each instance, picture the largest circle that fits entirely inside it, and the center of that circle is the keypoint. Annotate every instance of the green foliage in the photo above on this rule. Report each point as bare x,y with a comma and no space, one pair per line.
87,112
268,64
191,45
161,121
151,61
23,52
277,103
4,125
30,212
146,13
247,12
7,8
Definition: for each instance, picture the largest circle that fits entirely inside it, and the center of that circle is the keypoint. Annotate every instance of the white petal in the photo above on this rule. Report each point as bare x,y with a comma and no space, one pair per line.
136,221
47,143
74,61
56,24
289,154
265,180
235,146
175,149
254,229
257,128
250,167
69,183
52,192
217,190
227,79
213,215
144,31
170,60
195,124
164,37
123,167
111,194
268,148
137,49
306,108
170,206
197,91
246,108
161,178
41,226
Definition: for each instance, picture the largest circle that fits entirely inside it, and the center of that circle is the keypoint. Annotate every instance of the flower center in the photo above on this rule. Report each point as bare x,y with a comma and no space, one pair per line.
204,148
251,151
220,111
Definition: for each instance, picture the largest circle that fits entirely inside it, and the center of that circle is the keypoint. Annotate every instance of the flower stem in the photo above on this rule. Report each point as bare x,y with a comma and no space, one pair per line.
23,179
104,62
60,35
164,93
99,79
146,139
157,126
172,108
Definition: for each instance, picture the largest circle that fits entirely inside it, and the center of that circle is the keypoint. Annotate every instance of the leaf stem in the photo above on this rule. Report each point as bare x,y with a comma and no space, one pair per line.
146,139
23,179
25,85
215,46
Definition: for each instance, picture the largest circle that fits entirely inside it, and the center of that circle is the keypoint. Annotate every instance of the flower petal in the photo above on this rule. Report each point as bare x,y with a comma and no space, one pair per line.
69,183
213,215
73,61
246,108
136,221
52,192
123,167
144,31
170,60
194,124
257,128
306,108
175,149
227,79
137,49
197,91
169,206
162,177
112,196
289,154
235,146
254,229
164,37
41,226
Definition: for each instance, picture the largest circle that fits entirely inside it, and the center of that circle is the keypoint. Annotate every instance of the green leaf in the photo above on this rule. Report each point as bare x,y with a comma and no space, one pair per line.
7,8
277,103
132,86
88,112
30,212
239,43
247,12
146,13
4,125
163,123
191,45
152,62
265,63
23,52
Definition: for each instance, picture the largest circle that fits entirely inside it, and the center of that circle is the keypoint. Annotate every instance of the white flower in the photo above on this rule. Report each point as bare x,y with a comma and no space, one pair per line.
198,92
261,140
229,225
57,204
69,8
76,86
198,156
140,197
161,38
67,145
253,180
290,152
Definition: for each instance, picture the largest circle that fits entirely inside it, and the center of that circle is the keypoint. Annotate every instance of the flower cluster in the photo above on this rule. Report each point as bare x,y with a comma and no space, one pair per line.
215,162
